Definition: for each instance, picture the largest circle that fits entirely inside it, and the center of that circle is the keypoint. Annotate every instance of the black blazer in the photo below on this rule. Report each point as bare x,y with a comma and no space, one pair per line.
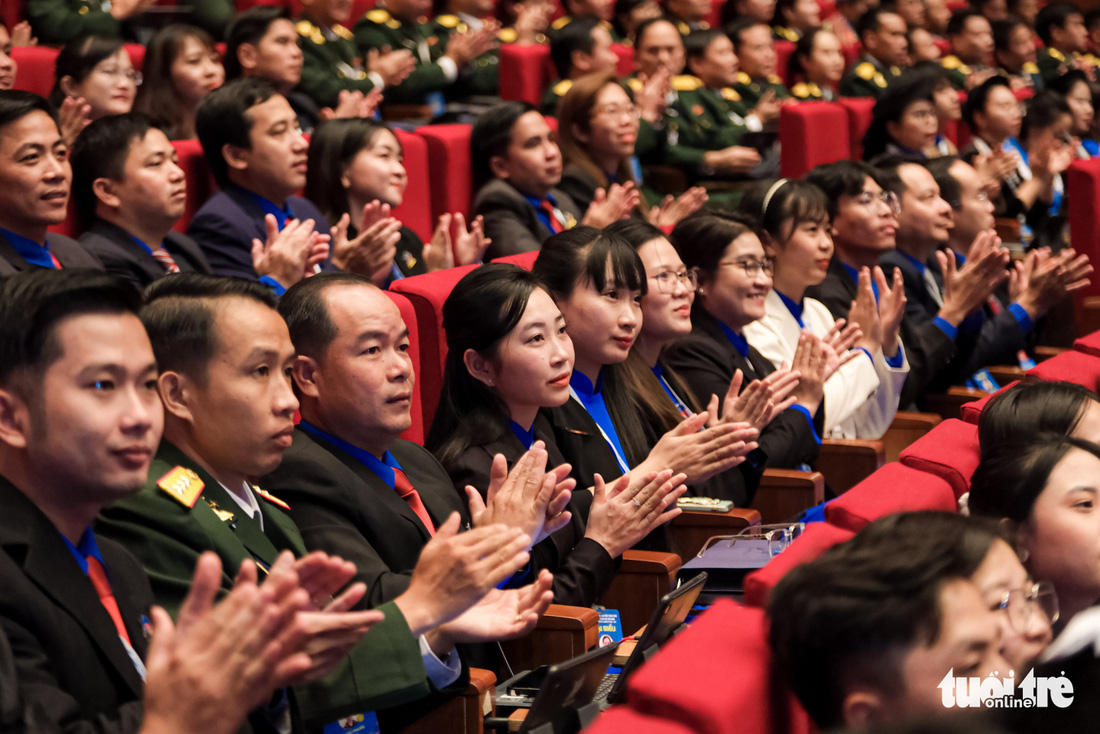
69,252
512,222
706,361
342,507
226,224
68,657
998,341
582,568
119,253
927,348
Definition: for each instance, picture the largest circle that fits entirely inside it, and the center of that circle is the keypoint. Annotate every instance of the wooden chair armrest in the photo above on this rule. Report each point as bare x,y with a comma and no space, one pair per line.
562,633
636,561
1006,373
846,462
665,179
1042,353
784,493
1087,314
906,428
692,528
949,404
465,713
406,112
643,578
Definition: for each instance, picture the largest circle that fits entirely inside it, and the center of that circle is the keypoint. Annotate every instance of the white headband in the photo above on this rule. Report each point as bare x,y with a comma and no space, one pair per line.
768,196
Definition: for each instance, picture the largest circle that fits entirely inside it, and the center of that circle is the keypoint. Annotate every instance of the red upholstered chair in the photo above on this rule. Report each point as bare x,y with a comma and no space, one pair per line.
859,111
11,12
1083,179
196,172
970,412
416,431
851,52
893,488
828,7
783,51
626,59
525,72
625,720
714,17
525,260
716,677
427,293
814,541
808,134
35,72
1089,344
449,151
950,451
137,55
67,227
1077,367
415,211
943,45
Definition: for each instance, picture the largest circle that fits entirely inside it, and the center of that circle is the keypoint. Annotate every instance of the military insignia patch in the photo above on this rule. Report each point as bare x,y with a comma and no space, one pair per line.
183,485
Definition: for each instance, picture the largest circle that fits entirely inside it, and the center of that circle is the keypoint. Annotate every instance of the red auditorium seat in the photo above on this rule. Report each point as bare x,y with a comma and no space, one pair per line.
200,184
970,412
11,12
716,677
783,51
714,17
626,59
1077,367
851,53
1089,344
860,110
427,294
415,211
624,720
416,431
950,451
35,72
67,227
449,152
525,72
137,55
1083,179
893,488
809,134
525,260
814,541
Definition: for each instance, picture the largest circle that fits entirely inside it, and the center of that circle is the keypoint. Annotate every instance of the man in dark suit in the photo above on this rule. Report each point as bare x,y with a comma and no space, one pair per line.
34,188
129,189
517,168
81,423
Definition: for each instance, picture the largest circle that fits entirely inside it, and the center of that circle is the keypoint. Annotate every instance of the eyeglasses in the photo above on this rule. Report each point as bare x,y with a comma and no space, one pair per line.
773,539
981,197
115,72
753,268
889,198
614,110
1022,605
668,280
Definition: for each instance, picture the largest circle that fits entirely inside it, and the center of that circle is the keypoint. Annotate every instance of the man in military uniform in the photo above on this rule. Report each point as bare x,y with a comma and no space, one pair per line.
580,48
482,77
60,21
795,20
688,15
753,46
602,9
439,61
1062,30
1014,53
971,38
885,50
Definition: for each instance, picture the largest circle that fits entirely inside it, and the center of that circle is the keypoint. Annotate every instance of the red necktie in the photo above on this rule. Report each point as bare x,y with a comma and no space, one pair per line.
407,492
166,260
555,223
106,597
56,262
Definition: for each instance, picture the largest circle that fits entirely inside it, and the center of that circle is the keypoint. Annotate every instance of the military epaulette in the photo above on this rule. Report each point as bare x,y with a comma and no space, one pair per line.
730,94
450,20
865,71
311,31
1092,60
880,80
785,33
378,15
305,28
1030,67
562,87
775,79
806,91
606,25
685,83
1056,54
343,32
743,78
507,35
183,485
683,27
954,64
635,84
895,71
270,497
561,22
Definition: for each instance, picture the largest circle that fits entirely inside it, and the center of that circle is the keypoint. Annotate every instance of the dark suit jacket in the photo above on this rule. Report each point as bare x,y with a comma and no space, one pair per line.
227,223
512,222
582,568
69,252
342,507
706,361
68,658
998,341
119,253
927,348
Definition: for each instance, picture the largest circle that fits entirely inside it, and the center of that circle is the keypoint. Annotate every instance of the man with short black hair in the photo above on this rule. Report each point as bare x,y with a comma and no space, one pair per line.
755,49
1061,27
1014,52
882,34
35,175
579,48
971,59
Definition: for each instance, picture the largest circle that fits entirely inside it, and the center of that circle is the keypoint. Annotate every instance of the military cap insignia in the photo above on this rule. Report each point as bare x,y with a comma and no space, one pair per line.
183,485
270,497
731,94
865,71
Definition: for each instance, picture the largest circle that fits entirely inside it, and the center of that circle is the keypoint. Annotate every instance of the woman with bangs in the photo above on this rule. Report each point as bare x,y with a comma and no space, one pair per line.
509,358
597,282
861,396
181,67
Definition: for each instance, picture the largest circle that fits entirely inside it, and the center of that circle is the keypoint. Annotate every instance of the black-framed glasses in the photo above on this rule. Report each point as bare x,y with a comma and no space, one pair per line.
1021,606
668,280
753,267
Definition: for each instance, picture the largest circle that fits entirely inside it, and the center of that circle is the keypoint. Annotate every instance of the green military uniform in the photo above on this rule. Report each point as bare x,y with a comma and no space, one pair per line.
868,78
702,120
60,21
687,27
331,63
752,89
957,71
482,78
1028,73
213,16
783,33
565,20
1052,63
378,29
183,511
553,95
809,91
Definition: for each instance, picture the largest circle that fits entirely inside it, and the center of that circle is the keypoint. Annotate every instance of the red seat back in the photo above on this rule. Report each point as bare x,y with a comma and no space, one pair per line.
714,17
137,55
1071,366
35,68
893,488
808,134
626,59
415,211
851,52
525,260
950,451
814,541
860,110
1083,179
416,431
449,152
625,720
970,412
196,172
1089,344
67,227
427,293
525,72
783,51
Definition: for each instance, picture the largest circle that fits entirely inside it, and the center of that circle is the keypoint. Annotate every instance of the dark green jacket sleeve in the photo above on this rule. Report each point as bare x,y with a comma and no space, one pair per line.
60,21
212,15
426,78
322,81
